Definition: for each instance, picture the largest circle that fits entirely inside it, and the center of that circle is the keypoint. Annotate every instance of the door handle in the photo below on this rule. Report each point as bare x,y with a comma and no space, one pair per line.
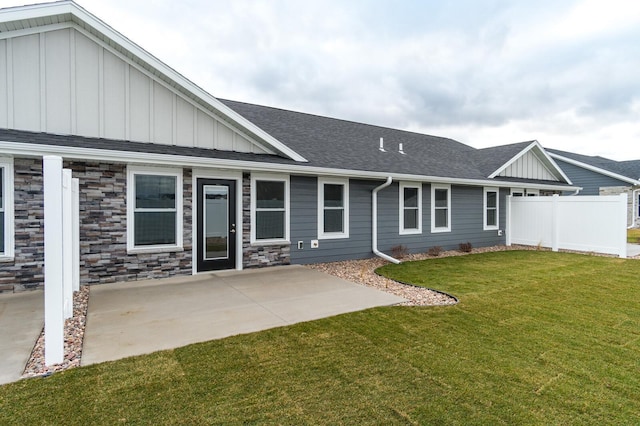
233,228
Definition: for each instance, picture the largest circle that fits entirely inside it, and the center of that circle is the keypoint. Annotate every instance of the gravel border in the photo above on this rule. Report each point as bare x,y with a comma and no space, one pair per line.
73,339
357,271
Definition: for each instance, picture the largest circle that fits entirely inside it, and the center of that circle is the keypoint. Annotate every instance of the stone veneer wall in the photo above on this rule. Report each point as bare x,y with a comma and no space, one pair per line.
103,228
25,272
254,256
617,190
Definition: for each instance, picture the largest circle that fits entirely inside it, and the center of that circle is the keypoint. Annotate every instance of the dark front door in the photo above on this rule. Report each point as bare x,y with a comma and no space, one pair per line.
216,226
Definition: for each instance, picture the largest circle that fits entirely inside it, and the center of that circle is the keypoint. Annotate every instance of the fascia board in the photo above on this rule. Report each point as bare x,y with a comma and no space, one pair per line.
88,154
540,150
512,160
595,169
80,14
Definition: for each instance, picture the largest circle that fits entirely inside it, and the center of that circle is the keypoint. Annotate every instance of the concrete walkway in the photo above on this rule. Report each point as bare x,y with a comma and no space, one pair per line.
633,250
21,322
128,319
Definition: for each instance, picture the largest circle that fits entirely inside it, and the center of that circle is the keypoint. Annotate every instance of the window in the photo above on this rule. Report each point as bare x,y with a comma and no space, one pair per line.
333,208
270,209
410,208
491,210
6,209
440,208
154,209
517,192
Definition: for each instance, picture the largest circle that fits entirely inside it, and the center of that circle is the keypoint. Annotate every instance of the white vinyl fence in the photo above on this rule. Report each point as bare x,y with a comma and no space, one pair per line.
585,223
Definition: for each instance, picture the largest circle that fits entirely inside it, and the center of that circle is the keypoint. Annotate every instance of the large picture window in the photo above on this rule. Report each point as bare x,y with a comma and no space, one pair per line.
270,209
440,208
410,208
333,208
491,204
6,209
154,209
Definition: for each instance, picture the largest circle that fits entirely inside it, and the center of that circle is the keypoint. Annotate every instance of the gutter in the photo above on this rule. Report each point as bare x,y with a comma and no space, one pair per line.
634,208
171,160
374,223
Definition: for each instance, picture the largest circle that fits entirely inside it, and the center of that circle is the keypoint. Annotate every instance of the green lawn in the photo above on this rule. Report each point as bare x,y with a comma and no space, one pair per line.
537,338
633,236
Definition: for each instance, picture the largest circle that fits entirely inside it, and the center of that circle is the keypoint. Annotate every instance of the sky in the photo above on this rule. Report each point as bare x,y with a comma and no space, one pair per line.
483,72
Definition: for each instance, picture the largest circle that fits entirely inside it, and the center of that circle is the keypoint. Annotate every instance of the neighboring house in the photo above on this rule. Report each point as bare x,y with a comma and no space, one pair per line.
174,181
602,176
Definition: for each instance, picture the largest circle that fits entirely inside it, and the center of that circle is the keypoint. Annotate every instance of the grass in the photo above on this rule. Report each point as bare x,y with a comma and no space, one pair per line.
633,236
537,338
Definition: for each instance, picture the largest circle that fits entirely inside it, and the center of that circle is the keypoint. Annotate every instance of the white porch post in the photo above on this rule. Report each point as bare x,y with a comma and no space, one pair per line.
76,233
53,271
67,242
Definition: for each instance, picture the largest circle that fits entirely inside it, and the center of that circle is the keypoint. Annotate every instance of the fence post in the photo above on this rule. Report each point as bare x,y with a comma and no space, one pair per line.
555,222
53,273
508,224
623,229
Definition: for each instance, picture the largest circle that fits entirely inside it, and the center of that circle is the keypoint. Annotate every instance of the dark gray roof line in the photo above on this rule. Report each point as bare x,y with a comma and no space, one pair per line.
327,143
629,168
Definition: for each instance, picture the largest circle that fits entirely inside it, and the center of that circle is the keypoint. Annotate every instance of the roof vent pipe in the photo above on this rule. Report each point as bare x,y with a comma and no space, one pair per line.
374,223
400,149
382,145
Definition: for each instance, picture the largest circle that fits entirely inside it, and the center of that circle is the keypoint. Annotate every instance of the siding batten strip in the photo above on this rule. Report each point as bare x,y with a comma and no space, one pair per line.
101,92
72,83
10,83
43,83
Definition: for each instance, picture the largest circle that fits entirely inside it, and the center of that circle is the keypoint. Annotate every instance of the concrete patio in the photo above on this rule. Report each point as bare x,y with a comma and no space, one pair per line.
21,322
135,318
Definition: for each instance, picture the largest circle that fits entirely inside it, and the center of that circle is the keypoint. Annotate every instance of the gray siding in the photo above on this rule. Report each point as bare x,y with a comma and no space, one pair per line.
588,180
466,218
304,223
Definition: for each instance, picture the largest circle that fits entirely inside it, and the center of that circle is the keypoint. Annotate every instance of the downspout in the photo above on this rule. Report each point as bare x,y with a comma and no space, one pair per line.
634,208
374,223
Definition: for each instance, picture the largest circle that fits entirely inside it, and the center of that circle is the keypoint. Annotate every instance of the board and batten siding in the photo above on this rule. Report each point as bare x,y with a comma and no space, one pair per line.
466,216
590,181
528,166
65,81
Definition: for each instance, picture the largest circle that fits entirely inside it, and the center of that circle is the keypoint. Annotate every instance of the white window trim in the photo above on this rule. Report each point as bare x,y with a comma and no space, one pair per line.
287,204
402,229
333,235
518,191
9,220
433,208
485,208
132,171
532,193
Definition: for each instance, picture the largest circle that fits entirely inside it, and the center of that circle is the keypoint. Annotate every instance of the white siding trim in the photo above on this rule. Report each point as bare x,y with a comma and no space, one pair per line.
485,226
132,171
6,164
402,230
346,216
287,208
447,228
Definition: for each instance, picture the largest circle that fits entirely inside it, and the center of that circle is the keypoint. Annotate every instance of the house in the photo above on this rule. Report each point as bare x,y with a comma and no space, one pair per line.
602,176
173,181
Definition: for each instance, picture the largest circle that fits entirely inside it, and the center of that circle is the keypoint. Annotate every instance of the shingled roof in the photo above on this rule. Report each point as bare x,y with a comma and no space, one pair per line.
629,169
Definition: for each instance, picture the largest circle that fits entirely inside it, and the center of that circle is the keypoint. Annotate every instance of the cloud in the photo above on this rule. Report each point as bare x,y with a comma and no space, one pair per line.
487,72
